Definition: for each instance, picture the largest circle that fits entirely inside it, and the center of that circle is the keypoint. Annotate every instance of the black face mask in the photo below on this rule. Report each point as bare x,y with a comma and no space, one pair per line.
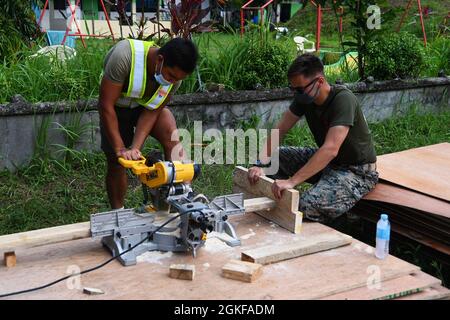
303,97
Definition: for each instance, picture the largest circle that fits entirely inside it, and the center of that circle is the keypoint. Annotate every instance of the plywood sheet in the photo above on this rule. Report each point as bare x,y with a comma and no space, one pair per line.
425,169
397,195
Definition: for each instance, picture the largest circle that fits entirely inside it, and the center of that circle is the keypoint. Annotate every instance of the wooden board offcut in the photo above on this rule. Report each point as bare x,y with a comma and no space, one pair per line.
308,277
285,213
425,169
182,271
242,270
275,253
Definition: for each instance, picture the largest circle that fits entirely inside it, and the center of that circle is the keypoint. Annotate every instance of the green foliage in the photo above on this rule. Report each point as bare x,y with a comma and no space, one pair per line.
266,65
256,59
18,27
397,55
438,56
44,78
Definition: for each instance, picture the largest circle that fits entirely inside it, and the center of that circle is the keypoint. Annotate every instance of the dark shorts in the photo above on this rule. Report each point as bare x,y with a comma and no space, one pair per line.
127,118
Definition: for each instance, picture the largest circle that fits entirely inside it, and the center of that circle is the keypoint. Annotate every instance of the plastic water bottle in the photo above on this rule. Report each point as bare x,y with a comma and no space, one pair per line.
383,235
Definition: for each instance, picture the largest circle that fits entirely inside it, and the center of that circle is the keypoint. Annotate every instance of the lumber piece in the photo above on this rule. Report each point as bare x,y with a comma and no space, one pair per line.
182,271
285,213
45,236
92,291
242,270
274,253
259,204
10,259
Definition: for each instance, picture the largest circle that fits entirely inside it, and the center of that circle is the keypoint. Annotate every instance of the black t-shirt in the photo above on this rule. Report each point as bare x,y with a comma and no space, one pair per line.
341,108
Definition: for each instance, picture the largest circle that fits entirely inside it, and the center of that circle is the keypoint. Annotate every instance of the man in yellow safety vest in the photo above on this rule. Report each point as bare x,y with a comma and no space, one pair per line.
138,81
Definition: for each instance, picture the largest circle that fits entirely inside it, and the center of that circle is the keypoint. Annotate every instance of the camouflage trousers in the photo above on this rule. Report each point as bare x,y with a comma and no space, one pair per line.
335,190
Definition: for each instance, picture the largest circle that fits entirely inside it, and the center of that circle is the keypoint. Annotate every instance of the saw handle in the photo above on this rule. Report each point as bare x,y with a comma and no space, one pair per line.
129,164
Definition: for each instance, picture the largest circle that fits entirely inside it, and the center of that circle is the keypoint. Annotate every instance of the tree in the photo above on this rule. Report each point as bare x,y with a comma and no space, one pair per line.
361,34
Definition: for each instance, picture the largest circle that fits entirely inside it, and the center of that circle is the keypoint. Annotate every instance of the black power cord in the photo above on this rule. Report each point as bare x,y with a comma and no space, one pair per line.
100,265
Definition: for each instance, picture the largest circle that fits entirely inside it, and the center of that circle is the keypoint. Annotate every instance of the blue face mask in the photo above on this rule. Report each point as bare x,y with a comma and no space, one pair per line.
160,79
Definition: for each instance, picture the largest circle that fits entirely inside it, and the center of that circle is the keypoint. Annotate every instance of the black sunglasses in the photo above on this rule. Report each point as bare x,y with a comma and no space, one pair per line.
300,89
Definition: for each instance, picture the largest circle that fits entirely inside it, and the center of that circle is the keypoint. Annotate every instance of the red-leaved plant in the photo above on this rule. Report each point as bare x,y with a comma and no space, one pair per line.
187,18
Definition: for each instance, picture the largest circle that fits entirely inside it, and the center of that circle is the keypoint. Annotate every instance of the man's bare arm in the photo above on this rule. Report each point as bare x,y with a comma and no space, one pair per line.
109,93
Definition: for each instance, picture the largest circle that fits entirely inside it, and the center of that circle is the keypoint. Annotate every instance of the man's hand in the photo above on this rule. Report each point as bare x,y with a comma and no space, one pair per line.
129,154
254,173
279,185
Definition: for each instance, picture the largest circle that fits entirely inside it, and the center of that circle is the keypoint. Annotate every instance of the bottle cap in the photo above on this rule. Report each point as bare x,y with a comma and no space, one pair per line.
384,217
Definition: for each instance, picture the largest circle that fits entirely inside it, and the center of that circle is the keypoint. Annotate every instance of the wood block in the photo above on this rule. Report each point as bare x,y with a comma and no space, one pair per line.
242,270
10,259
285,213
182,271
275,253
92,291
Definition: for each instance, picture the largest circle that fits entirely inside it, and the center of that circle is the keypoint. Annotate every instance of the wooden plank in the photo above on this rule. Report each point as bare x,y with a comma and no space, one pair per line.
400,196
10,259
182,271
425,169
259,204
45,236
435,293
285,213
276,253
310,277
242,270
391,289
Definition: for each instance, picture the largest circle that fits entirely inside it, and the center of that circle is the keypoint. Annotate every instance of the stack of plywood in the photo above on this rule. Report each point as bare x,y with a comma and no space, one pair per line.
414,190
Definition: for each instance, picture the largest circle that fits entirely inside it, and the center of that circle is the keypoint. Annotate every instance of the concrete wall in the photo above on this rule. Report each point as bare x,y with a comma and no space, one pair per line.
20,121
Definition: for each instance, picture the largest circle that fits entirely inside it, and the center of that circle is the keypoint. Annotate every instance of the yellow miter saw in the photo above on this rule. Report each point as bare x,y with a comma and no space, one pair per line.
127,233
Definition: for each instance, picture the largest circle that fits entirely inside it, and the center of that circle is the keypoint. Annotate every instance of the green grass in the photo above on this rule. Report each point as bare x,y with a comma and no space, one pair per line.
47,193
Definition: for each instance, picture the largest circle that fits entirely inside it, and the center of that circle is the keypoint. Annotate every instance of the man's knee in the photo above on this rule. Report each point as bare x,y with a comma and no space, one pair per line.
113,165
318,208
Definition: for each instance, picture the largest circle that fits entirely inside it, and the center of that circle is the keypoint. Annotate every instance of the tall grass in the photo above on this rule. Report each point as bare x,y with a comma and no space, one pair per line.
41,78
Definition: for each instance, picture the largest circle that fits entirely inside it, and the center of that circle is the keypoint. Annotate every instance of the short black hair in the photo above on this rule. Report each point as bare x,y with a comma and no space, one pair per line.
307,65
181,53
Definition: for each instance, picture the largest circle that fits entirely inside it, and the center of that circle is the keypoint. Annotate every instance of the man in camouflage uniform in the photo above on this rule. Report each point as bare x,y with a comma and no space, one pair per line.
343,168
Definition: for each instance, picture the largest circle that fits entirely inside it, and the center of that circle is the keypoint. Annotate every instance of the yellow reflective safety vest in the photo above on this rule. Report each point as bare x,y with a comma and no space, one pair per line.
138,79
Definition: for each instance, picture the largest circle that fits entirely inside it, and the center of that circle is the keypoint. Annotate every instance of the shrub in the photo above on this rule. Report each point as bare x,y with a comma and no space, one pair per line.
266,65
18,26
438,57
395,55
